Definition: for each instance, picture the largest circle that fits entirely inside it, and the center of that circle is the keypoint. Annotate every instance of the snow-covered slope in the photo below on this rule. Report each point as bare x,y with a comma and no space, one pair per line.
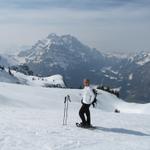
31,119
109,102
106,101
20,78
6,77
51,81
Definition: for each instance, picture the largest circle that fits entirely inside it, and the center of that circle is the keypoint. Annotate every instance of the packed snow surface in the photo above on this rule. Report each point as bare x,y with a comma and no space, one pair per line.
31,119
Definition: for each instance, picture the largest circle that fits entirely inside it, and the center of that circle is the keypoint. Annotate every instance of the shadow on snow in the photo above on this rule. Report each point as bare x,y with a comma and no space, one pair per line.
121,131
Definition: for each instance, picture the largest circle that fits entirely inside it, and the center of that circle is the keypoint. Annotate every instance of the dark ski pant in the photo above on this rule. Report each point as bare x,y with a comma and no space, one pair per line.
84,110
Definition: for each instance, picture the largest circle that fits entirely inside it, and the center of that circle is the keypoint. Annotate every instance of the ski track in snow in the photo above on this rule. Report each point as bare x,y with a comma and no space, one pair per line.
36,123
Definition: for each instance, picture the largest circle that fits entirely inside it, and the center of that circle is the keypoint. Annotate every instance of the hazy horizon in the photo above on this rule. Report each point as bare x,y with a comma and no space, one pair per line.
111,25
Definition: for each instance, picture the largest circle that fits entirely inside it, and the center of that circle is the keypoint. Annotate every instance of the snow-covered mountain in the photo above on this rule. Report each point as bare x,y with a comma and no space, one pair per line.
131,73
141,58
57,51
63,55
67,56
31,119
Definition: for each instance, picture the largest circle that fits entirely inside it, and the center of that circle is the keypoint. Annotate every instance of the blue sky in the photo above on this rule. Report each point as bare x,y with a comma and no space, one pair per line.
108,25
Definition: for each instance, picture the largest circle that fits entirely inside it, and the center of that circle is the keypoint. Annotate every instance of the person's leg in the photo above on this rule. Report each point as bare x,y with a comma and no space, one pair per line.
81,114
87,112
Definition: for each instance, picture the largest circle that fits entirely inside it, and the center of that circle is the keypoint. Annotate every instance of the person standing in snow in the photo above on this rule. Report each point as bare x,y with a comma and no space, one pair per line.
87,99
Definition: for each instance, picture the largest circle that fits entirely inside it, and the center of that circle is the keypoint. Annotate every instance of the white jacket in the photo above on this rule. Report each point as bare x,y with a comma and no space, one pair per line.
87,95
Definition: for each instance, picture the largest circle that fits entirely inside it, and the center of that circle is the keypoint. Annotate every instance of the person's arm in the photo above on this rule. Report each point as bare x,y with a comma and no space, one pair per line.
81,95
92,95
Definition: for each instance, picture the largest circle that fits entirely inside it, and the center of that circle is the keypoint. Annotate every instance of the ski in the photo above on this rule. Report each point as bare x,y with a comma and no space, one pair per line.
85,127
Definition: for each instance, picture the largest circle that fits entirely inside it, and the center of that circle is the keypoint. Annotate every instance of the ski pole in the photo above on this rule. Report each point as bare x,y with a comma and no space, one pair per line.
68,100
64,111
66,104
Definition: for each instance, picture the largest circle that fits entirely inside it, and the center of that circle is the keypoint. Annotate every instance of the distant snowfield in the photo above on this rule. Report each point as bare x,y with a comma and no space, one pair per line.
31,119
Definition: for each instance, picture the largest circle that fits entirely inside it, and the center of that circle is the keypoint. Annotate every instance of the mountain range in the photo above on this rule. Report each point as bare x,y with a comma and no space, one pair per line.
67,56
